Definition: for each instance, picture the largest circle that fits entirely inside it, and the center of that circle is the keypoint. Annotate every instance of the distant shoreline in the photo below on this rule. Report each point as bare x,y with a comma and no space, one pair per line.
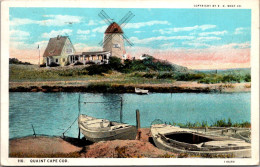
95,87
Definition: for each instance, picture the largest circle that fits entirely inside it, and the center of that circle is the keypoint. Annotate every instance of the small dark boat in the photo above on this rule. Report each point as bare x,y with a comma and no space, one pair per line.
96,130
180,140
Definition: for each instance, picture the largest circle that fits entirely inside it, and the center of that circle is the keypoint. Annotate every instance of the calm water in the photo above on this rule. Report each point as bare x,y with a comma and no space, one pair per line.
53,113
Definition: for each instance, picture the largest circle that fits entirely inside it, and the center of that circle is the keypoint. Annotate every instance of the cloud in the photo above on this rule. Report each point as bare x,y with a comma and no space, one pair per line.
84,47
167,45
137,32
51,20
240,30
196,44
22,45
234,46
144,24
19,21
83,31
82,37
180,29
60,20
213,33
215,57
92,23
18,35
159,38
208,38
54,33
100,29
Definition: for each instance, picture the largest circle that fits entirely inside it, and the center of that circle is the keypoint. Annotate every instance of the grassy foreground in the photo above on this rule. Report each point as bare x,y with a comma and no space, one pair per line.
217,123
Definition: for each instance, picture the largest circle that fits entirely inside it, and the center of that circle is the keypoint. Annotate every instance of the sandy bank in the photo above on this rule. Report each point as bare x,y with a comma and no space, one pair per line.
83,86
43,146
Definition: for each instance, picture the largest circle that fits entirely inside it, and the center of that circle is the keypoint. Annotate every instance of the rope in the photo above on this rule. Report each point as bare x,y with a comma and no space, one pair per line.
69,126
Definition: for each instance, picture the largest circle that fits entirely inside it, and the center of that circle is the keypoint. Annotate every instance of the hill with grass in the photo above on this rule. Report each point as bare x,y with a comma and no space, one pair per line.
148,70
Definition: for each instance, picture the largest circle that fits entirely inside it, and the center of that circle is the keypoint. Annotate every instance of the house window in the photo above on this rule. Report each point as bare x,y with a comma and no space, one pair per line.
117,45
57,60
69,50
63,59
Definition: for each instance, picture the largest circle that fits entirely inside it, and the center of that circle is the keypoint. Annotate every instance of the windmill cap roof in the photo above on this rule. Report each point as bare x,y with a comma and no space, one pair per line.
114,28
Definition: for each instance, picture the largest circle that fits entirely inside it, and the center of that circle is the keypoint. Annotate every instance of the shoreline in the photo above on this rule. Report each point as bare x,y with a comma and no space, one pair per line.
43,146
69,147
94,87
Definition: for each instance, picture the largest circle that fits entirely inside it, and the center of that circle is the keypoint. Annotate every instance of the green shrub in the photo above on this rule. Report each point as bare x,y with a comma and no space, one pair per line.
78,63
97,69
53,64
247,78
149,75
115,63
43,65
217,123
16,61
165,76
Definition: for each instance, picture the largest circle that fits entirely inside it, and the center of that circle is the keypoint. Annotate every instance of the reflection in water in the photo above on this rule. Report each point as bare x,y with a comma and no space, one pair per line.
52,113
113,103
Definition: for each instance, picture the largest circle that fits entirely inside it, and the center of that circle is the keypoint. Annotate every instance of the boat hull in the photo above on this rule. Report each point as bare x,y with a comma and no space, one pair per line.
96,130
244,151
96,136
141,91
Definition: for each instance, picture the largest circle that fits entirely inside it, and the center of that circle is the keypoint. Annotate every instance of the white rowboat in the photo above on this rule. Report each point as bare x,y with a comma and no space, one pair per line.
96,130
141,91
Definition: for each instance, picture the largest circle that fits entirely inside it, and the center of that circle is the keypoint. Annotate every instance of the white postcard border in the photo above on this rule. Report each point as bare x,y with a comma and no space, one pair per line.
253,5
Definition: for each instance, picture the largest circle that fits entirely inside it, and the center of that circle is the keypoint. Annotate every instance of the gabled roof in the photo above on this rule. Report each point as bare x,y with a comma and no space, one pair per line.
55,46
113,28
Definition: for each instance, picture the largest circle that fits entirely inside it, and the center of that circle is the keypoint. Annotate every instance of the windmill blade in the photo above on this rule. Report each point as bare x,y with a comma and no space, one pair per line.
127,15
127,40
105,17
105,14
106,39
126,19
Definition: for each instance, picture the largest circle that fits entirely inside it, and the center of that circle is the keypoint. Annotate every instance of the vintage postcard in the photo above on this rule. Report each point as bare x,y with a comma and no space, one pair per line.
129,82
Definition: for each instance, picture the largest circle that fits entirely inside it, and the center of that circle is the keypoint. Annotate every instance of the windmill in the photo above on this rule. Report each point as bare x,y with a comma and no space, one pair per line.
114,36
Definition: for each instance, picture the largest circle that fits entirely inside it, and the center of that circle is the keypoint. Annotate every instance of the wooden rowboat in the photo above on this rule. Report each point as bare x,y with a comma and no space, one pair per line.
96,130
141,91
180,140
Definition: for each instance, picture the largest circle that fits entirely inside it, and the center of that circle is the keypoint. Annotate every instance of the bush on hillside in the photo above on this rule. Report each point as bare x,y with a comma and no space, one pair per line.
78,63
247,78
43,65
98,69
149,75
115,63
53,64
16,61
165,76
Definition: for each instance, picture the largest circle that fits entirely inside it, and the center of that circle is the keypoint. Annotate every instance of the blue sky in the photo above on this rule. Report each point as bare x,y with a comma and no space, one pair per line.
157,29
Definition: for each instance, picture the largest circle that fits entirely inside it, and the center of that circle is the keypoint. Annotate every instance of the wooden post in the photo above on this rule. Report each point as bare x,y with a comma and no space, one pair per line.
138,124
121,110
33,131
79,134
